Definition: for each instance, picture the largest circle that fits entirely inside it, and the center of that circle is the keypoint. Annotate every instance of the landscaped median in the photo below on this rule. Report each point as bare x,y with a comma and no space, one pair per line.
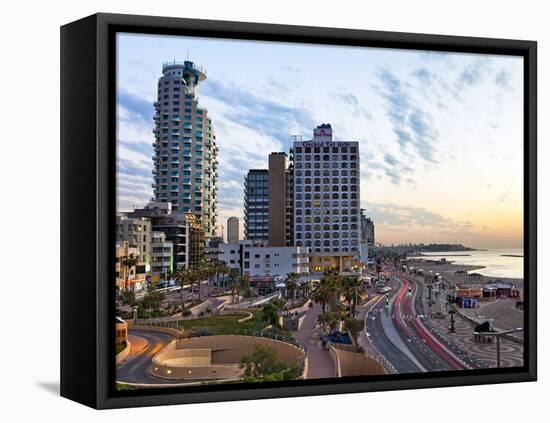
232,323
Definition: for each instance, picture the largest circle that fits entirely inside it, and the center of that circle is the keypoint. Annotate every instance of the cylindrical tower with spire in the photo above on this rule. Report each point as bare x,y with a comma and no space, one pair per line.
185,152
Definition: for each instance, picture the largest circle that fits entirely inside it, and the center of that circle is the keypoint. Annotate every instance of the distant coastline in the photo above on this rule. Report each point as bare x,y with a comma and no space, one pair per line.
504,263
443,254
418,249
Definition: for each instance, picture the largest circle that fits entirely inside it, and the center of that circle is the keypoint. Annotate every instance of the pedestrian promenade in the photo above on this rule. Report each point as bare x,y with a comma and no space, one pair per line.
320,364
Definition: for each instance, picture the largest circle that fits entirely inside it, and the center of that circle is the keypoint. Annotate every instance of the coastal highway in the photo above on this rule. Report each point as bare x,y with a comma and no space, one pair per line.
386,343
430,351
382,341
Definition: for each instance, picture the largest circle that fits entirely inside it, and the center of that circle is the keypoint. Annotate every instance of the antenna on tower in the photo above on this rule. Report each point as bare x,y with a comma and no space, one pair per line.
187,54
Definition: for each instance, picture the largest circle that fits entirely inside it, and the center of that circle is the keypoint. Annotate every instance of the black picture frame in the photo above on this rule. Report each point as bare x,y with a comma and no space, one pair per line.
88,207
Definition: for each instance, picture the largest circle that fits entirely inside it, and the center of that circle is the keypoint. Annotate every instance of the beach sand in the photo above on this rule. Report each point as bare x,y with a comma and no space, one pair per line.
448,273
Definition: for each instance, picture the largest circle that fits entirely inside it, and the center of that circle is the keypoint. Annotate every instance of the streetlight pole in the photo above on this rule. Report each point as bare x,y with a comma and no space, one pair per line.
498,335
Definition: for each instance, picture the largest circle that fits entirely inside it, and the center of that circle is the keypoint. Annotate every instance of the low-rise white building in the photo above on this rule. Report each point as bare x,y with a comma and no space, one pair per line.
161,256
257,260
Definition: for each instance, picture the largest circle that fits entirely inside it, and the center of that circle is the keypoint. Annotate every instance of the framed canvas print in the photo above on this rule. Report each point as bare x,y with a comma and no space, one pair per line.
255,211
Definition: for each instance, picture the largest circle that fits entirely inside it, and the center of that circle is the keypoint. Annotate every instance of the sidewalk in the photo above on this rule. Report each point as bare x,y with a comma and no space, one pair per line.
320,364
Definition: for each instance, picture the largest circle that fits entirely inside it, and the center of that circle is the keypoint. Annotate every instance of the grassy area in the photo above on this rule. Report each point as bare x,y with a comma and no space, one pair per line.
120,347
229,325
125,387
223,325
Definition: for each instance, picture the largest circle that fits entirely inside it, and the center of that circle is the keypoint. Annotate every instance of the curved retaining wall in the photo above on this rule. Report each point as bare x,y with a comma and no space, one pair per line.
247,315
356,364
123,355
215,357
161,329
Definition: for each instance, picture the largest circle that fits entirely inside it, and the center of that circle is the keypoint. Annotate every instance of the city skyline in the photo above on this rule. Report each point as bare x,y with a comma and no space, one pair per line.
440,134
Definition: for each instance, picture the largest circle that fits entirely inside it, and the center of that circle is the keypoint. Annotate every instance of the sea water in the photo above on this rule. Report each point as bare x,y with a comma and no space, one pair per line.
501,263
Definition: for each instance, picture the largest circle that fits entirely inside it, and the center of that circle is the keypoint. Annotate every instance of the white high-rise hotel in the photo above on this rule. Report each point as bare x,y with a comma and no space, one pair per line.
327,199
185,146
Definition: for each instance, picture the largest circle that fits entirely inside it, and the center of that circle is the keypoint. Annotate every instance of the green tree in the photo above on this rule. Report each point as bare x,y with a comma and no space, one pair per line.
127,263
152,300
354,327
264,365
129,298
270,314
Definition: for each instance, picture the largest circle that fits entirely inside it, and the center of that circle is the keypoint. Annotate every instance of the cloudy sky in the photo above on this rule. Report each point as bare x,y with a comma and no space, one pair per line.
441,134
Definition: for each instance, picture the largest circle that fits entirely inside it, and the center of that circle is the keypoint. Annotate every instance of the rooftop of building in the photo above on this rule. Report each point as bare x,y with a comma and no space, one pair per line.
187,64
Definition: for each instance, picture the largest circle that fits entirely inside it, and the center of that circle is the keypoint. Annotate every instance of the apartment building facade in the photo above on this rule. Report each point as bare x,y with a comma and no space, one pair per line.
174,226
162,257
233,229
256,259
137,232
131,271
327,199
256,205
280,223
185,152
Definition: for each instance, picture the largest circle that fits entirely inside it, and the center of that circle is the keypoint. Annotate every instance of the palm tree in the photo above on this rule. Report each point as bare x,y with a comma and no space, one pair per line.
234,276
210,272
183,276
322,294
217,269
199,274
245,281
351,286
334,284
221,270
236,290
291,285
306,289
127,263
224,270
